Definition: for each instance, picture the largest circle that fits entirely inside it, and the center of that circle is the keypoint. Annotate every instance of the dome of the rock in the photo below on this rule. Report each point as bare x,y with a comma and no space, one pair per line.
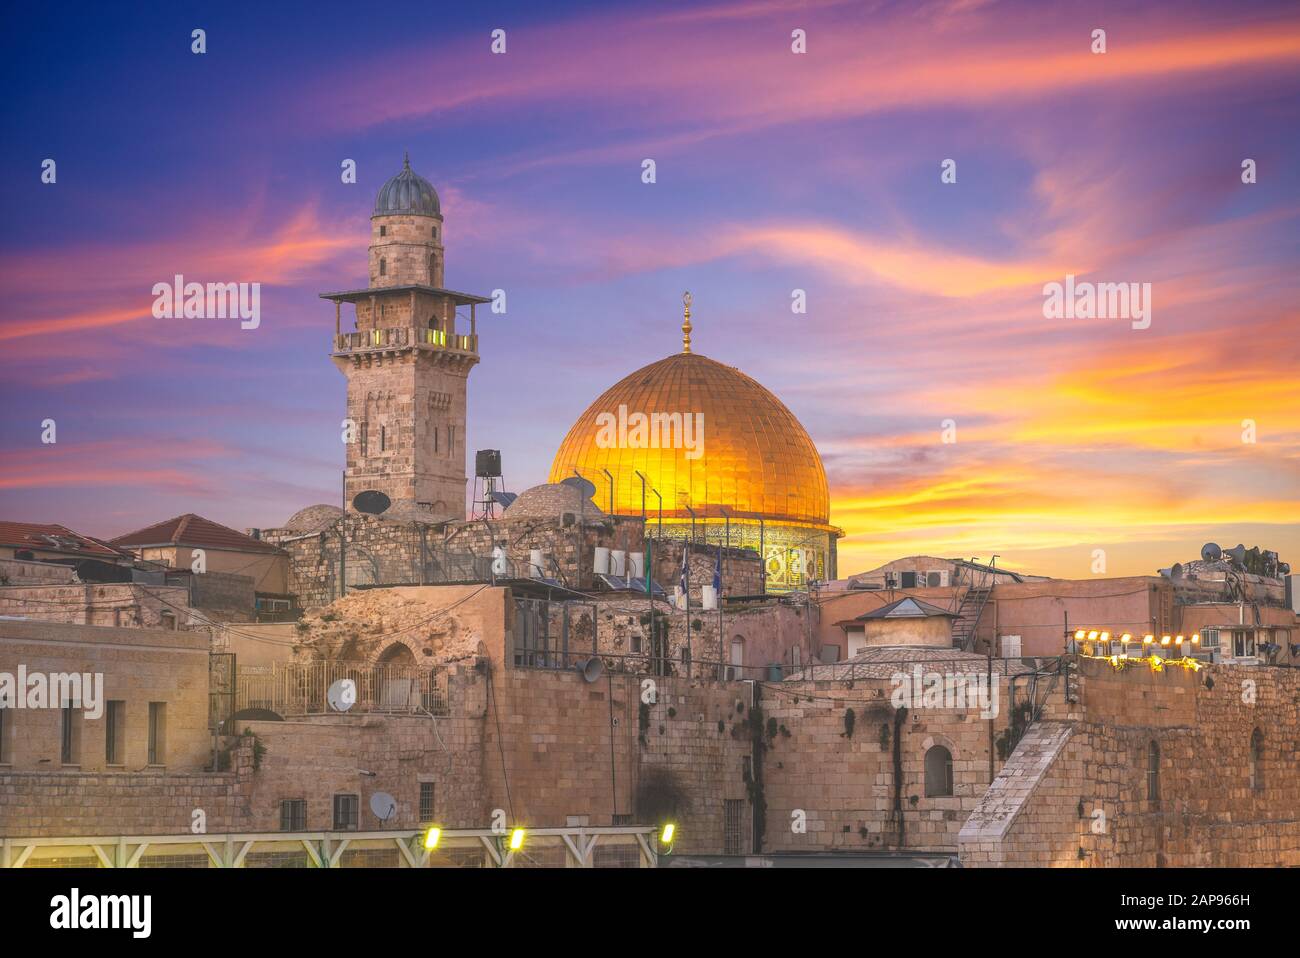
709,439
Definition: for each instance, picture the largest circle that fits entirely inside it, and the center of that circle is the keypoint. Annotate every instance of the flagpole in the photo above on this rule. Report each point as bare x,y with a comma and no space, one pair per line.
718,596
686,591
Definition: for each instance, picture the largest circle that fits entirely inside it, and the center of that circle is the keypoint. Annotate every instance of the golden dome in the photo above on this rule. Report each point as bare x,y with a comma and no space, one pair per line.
755,459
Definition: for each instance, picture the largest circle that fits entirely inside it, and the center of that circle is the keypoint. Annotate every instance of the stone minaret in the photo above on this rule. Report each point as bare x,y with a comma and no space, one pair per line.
406,362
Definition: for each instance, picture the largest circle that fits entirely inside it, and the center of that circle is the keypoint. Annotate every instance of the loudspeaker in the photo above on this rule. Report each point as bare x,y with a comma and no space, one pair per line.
592,668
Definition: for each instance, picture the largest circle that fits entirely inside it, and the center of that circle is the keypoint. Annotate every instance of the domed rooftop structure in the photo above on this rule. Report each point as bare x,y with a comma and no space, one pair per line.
313,518
409,193
550,500
708,438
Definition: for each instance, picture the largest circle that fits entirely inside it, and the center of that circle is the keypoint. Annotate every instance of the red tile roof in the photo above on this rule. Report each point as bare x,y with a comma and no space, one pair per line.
193,531
53,538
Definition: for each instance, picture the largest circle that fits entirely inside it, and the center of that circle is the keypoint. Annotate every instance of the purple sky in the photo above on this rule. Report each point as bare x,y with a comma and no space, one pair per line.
775,171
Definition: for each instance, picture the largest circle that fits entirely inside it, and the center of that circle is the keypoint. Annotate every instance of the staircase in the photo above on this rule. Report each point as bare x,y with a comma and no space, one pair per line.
968,616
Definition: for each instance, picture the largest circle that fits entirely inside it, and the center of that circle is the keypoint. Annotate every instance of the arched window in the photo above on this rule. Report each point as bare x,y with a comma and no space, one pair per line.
938,772
735,670
1257,760
1153,773
383,267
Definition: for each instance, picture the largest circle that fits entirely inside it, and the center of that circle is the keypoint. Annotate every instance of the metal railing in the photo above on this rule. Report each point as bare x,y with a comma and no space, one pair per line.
647,663
571,847
302,688
400,337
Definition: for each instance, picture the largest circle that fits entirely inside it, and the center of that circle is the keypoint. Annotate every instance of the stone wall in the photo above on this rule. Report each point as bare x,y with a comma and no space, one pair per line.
839,772
25,572
122,604
139,666
565,747
73,804
742,572
1078,795
224,596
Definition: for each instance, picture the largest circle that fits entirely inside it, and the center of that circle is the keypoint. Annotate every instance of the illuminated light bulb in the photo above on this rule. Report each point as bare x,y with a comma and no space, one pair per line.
516,839
1196,638
1164,640
1126,638
667,836
1080,635
1148,639
431,837
1105,636
1178,641
1092,636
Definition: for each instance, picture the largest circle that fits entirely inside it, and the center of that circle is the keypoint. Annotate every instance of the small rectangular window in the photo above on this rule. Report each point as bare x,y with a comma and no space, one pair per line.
346,812
733,814
293,815
157,733
70,745
426,802
115,733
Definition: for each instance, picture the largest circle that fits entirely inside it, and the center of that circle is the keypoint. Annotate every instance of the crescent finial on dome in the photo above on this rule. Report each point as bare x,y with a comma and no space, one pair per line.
686,323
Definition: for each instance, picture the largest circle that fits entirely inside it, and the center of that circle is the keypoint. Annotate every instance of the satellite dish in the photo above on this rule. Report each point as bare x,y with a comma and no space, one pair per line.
383,805
342,695
1177,571
1211,552
584,486
371,501
1238,554
503,499
591,669
1284,568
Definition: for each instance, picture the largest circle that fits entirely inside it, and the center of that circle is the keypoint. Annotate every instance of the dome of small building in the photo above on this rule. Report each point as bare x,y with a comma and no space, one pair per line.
407,192
313,518
551,500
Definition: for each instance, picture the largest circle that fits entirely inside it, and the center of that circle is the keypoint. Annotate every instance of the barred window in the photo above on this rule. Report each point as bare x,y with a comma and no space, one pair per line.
346,812
293,815
426,801
733,813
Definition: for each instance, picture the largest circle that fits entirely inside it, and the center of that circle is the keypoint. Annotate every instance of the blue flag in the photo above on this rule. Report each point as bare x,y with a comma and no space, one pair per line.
717,574
686,581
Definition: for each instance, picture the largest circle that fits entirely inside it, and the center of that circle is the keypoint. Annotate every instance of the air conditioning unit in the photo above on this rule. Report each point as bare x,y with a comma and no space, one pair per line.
937,579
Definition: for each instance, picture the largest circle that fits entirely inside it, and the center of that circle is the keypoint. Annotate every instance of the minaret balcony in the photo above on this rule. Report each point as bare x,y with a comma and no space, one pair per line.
405,337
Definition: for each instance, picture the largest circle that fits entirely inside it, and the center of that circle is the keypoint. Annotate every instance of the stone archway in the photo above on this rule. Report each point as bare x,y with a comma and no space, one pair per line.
399,686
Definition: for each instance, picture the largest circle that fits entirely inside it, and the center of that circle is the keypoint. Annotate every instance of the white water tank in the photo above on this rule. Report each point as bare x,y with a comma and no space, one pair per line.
600,563
535,565
637,561
498,561
618,563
